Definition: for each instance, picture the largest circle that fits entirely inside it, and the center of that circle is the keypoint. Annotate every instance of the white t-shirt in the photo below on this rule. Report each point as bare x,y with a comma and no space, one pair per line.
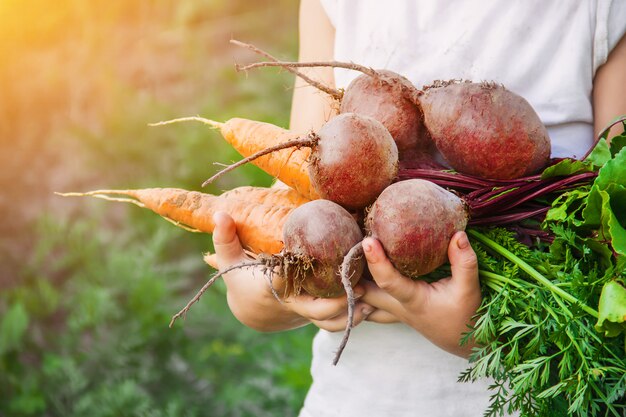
547,51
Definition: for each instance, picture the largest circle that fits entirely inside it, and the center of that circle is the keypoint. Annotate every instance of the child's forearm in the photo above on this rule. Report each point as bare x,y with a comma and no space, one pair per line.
609,90
310,107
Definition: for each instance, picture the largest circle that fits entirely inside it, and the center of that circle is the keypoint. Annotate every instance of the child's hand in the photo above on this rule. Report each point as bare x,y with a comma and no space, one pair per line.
252,302
441,311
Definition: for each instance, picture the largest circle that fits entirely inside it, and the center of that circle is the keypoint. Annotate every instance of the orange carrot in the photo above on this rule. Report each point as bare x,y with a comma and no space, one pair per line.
291,166
283,197
259,213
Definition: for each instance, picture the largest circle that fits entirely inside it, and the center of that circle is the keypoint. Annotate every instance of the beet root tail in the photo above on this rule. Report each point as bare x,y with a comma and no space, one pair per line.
346,273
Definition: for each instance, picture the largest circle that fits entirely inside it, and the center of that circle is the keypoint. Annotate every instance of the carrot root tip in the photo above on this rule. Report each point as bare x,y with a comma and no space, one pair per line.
212,123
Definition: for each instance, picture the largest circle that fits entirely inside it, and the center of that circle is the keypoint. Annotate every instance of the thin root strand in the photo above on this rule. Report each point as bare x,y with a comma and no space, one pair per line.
106,195
355,252
333,92
183,312
334,64
309,141
270,263
410,92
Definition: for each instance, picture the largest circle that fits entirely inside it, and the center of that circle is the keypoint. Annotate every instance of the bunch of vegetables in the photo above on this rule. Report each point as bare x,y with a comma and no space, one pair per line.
549,234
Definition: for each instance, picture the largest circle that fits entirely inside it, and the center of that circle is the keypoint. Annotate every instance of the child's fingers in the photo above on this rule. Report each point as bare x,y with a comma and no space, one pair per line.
228,249
317,309
338,323
381,300
386,276
383,317
463,263
211,260
320,309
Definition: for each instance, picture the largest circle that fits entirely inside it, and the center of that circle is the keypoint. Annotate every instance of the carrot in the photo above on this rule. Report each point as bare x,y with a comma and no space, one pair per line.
259,213
282,197
249,137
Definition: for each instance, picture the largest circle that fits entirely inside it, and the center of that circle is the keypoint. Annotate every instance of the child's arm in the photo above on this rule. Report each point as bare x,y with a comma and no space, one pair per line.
609,89
310,107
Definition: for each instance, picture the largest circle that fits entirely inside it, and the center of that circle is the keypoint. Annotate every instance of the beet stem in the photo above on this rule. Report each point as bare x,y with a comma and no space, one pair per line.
333,92
605,131
334,64
354,253
507,218
428,174
309,141
527,192
411,93
453,179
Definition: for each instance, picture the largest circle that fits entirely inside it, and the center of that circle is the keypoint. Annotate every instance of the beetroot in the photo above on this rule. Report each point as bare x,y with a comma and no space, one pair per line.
317,236
485,130
414,221
386,101
353,161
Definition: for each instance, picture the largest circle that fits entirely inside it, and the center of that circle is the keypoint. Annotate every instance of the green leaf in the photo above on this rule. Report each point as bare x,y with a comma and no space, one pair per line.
617,143
611,228
567,205
620,265
606,204
612,309
600,154
592,213
12,328
30,403
614,171
602,251
567,167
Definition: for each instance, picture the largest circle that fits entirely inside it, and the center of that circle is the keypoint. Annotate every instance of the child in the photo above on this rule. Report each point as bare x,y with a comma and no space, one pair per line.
403,359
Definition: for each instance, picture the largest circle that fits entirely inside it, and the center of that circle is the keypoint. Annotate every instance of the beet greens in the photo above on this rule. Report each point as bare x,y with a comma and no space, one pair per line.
552,324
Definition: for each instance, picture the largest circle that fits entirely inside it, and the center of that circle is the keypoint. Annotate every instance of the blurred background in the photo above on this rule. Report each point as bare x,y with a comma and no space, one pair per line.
87,287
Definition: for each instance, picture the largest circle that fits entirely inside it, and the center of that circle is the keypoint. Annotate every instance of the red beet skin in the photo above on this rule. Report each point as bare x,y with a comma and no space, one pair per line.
317,236
414,221
387,103
485,130
354,160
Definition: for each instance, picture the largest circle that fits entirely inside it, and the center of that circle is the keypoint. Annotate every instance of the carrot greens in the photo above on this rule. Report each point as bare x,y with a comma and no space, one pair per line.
551,329
536,328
